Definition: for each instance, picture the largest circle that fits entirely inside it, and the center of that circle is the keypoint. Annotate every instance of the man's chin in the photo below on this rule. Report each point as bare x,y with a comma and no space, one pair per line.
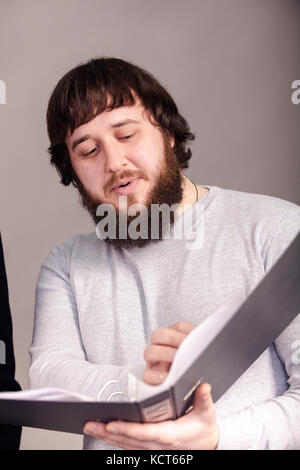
129,243
133,231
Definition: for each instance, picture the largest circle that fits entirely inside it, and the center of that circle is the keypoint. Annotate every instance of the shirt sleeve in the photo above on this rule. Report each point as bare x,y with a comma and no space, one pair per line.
275,423
58,357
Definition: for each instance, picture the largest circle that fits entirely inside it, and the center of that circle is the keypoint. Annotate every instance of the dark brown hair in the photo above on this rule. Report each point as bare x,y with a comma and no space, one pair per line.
104,84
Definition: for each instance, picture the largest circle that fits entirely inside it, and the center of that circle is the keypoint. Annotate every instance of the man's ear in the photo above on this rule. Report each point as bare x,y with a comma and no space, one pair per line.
172,142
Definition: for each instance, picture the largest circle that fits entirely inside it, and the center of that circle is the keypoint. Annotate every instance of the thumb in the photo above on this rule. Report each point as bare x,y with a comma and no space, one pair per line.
203,399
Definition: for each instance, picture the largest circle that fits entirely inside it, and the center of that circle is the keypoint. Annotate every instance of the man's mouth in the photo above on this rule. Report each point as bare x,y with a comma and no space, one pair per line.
122,183
126,186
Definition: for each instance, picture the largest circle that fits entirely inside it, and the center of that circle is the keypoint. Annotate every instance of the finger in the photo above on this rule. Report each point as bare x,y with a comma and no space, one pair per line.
183,327
154,377
129,443
157,353
168,337
163,366
203,399
132,444
142,432
100,432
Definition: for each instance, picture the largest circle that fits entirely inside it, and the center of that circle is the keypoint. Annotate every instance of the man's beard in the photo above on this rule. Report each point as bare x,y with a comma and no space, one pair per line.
168,189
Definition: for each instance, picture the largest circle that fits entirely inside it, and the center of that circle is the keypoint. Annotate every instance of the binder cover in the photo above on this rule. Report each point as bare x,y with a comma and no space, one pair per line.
266,312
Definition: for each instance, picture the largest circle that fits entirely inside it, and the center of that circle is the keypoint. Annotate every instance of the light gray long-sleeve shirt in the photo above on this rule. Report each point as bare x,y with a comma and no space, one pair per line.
96,308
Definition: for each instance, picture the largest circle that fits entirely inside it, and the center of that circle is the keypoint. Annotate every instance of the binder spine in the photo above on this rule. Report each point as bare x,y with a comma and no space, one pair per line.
139,412
158,408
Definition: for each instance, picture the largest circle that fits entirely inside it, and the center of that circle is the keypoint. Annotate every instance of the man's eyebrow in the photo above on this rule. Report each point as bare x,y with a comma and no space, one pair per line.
124,122
113,126
79,141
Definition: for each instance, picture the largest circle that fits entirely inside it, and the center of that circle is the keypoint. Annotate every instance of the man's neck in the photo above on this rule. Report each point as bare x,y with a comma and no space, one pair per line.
190,194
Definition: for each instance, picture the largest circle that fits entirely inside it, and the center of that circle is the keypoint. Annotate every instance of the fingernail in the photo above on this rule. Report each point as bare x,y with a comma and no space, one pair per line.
172,355
112,429
91,429
162,375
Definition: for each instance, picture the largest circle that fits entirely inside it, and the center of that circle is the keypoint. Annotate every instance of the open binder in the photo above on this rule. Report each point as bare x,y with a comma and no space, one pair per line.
217,351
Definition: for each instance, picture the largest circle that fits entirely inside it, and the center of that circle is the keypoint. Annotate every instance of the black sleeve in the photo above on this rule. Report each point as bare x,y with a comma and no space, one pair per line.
9,435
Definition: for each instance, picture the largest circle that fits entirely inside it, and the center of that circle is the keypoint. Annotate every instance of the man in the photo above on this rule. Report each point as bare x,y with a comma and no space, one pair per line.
9,435
105,304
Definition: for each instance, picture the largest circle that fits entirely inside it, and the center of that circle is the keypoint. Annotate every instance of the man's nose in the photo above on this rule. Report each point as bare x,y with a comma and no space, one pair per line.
115,158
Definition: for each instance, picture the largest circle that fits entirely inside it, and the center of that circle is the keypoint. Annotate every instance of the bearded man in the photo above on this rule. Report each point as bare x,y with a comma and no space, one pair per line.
108,300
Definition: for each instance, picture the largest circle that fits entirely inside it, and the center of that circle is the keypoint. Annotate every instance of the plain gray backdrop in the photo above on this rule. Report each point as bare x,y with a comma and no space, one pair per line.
229,65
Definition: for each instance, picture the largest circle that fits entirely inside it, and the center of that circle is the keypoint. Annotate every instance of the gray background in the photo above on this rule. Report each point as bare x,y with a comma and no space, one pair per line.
229,65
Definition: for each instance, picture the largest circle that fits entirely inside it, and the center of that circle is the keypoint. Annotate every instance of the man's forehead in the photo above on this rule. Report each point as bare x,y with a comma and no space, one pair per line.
112,118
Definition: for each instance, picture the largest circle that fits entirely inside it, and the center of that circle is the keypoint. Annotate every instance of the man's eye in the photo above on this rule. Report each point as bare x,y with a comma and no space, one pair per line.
127,137
89,153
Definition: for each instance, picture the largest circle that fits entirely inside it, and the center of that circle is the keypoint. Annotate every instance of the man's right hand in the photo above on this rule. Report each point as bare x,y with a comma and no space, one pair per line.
161,352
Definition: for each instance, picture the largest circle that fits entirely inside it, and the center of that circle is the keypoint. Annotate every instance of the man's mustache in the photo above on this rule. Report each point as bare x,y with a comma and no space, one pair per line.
125,174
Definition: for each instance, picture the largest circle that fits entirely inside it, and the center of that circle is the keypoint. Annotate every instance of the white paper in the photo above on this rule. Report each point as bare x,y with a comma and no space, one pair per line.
191,347
45,394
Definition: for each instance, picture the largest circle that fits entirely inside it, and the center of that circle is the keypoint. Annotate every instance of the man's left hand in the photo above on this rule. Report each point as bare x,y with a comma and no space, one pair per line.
198,429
